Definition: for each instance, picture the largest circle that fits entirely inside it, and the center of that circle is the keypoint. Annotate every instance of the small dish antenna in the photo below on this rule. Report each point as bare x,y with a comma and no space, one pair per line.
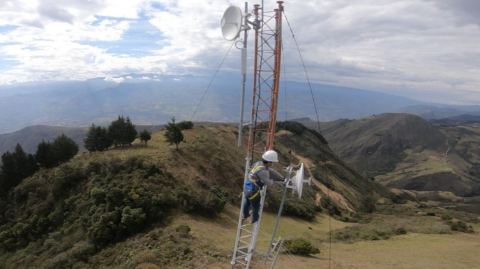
299,179
231,23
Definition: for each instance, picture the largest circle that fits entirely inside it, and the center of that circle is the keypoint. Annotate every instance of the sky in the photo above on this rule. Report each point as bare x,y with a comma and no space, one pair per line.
427,50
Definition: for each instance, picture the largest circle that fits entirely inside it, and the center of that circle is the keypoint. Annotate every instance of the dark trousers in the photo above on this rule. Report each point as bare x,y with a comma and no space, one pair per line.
255,203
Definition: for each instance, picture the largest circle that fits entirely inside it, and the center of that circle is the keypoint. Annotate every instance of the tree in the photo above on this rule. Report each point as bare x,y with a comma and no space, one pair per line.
15,167
64,148
44,155
173,133
130,132
122,131
97,139
145,136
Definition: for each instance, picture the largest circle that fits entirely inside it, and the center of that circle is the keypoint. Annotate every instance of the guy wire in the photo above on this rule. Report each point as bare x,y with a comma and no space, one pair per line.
319,130
208,87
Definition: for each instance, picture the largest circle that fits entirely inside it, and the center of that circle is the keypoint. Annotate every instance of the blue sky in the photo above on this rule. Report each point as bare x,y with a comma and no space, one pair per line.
423,49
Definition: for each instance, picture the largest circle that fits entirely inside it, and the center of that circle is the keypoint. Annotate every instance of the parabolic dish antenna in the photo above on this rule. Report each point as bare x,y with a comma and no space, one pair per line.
231,22
298,180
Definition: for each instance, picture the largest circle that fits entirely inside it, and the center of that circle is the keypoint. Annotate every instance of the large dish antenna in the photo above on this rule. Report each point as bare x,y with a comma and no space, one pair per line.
231,23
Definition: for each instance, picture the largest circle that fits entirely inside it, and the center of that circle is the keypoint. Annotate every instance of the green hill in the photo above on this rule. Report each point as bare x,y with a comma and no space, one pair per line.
137,206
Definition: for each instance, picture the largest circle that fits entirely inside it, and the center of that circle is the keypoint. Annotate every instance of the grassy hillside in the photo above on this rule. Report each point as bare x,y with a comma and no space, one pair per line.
155,207
135,205
404,151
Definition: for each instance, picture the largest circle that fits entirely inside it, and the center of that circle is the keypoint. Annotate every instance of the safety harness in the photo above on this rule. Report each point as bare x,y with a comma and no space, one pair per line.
257,167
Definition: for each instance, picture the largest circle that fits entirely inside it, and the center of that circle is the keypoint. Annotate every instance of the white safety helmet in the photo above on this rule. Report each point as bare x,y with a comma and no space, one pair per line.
270,156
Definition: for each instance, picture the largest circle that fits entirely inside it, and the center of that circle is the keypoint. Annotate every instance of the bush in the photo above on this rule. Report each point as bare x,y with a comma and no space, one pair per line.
368,204
202,202
300,246
99,195
446,217
132,219
300,208
400,231
185,125
183,230
460,226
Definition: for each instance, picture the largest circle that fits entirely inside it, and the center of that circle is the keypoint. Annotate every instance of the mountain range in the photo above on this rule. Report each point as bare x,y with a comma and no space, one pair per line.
406,151
154,99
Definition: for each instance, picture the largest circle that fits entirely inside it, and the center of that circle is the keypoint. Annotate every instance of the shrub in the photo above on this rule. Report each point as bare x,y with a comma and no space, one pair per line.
300,246
183,230
446,217
460,226
202,202
332,208
132,219
368,204
300,208
185,125
99,195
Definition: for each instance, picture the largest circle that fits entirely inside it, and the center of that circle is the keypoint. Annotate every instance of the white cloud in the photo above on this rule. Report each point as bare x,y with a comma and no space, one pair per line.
423,49
116,80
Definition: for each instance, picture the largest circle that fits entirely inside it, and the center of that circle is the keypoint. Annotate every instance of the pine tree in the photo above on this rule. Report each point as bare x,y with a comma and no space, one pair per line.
145,136
8,174
115,130
130,132
122,132
173,133
64,148
97,139
44,155
104,141
15,167
91,139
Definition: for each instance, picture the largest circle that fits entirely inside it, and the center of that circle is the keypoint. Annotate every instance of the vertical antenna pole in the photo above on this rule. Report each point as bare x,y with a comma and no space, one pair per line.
254,95
244,73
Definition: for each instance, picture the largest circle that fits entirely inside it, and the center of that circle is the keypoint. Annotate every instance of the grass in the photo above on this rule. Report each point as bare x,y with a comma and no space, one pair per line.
428,243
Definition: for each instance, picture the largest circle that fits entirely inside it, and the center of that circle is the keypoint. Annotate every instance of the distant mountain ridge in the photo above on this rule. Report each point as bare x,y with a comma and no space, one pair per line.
407,152
150,99
430,112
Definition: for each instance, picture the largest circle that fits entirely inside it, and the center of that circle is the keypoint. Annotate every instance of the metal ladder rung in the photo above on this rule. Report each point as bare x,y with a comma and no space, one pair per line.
244,253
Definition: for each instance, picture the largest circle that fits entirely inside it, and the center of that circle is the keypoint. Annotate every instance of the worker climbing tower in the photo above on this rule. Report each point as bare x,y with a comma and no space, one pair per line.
267,26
